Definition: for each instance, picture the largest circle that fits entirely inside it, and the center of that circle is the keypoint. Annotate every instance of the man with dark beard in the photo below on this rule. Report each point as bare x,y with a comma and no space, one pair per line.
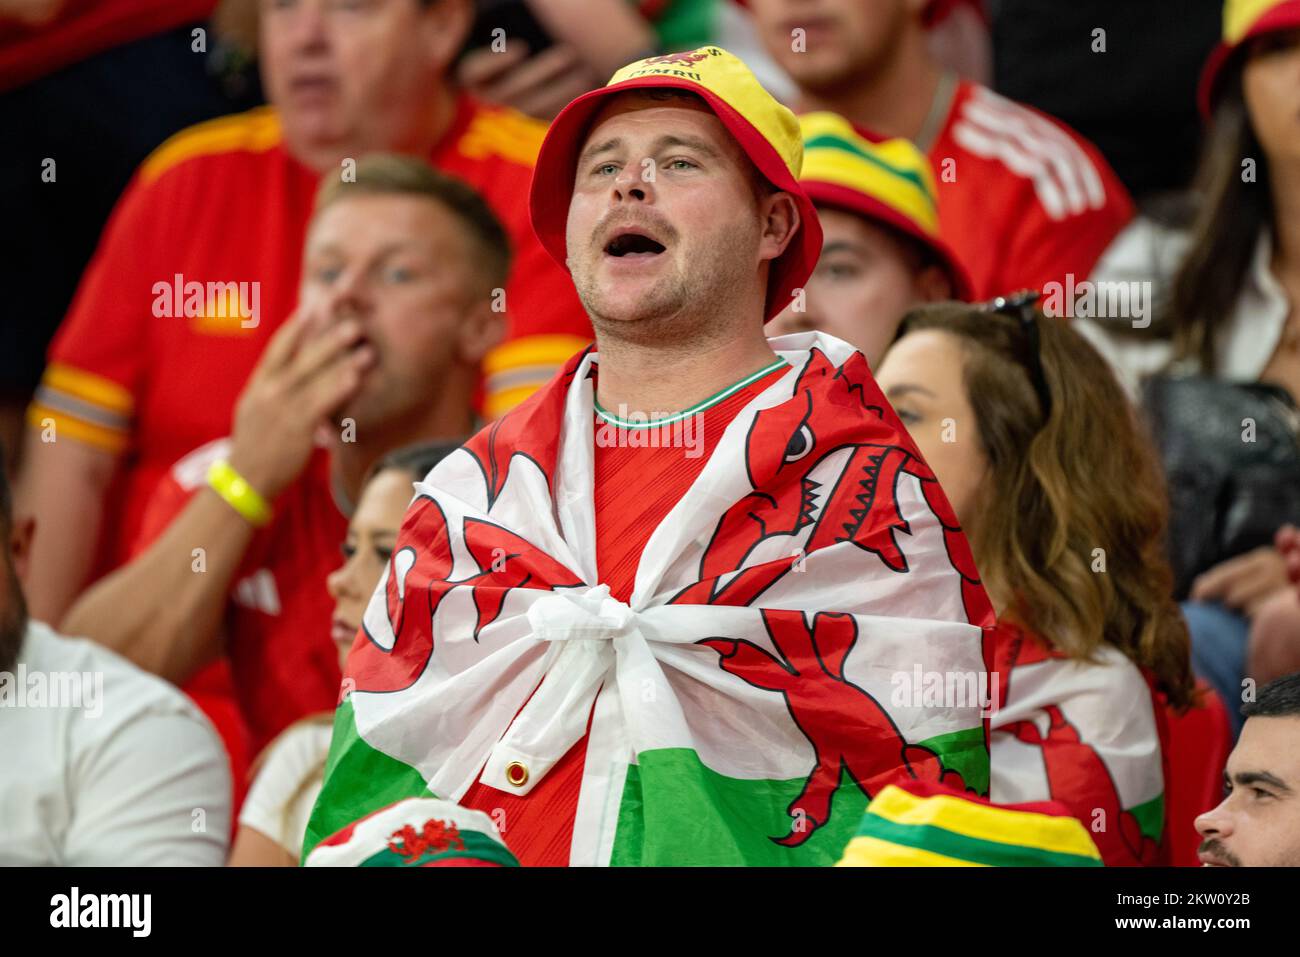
100,763
1257,824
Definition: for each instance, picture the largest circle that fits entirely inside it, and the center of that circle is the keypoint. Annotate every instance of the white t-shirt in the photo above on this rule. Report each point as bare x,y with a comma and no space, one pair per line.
285,790
1145,252
104,764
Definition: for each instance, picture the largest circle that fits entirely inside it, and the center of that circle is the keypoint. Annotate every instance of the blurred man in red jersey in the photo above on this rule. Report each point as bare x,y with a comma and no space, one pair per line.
393,318
198,265
1023,199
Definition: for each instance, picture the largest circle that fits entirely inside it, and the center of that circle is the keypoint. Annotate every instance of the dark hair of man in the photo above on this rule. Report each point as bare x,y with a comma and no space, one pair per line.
1277,699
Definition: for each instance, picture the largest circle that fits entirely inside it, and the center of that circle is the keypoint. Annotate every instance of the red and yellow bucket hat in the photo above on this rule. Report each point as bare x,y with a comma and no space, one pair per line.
888,181
766,130
1243,20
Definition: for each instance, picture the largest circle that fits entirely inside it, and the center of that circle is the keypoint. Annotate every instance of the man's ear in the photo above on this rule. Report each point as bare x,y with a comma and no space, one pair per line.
21,532
446,25
780,218
481,328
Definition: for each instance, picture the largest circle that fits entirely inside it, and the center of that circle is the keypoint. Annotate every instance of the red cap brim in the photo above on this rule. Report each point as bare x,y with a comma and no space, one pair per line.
553,178
1285,16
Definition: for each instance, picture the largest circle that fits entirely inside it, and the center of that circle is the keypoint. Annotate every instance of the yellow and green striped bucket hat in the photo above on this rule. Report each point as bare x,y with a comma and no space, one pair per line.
924,825
885,180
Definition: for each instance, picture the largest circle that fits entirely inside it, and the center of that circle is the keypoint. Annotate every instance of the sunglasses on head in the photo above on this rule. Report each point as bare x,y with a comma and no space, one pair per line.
1021,307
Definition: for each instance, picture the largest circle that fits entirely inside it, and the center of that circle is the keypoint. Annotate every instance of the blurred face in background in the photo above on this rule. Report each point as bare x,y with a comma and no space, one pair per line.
1270,83
648,248
866,280
844,42
355,76
1257,824
923,377
403,267
372,536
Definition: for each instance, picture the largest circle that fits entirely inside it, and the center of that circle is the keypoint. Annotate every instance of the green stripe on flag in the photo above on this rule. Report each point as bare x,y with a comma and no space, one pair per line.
358,780
965,848
964,752
1151,817
677,811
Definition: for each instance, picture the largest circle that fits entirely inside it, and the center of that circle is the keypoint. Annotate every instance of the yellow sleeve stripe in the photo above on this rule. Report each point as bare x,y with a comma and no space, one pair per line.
499,403
255,131
504,133
88,387
41,417
540,350
873,852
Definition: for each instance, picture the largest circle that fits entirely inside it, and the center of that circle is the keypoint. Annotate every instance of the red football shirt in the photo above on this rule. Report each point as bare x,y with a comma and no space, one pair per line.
635,486
224,202
1023,199
277,623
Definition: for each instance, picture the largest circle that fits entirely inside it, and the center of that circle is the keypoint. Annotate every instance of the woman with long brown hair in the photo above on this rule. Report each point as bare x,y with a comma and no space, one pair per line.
1218,370
1054,483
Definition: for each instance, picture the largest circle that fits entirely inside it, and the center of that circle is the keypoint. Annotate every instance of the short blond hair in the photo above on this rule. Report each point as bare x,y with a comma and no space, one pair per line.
389,174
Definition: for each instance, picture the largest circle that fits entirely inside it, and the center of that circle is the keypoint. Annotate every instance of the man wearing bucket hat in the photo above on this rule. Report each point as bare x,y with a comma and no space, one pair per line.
1024,199
883,254
651,615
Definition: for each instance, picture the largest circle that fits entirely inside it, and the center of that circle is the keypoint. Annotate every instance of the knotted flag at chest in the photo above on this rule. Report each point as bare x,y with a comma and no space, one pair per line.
751,696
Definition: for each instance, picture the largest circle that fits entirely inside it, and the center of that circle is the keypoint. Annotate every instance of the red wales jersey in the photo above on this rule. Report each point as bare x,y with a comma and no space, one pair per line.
277,624
223,206
640,474
1023,199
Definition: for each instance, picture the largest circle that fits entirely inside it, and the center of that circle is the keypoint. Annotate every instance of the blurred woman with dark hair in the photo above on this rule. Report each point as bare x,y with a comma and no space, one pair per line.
1219,370
1055,485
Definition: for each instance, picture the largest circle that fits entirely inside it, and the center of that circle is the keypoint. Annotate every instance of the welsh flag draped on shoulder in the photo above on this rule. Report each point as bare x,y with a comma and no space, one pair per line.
759,687
1087,734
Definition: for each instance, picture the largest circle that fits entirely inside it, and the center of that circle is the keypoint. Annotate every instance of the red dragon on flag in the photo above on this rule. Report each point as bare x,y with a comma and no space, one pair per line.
758,656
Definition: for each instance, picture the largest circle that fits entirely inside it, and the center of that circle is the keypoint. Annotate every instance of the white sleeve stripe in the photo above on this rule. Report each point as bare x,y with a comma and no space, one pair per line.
1040,126
1051,130
980,143
1017,135
1022,132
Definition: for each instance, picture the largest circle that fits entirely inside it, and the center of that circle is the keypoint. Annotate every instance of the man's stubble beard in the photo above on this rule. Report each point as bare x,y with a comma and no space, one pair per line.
683,310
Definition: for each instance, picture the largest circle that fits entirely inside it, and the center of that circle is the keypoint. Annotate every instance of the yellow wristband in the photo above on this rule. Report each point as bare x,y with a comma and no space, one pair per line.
238,494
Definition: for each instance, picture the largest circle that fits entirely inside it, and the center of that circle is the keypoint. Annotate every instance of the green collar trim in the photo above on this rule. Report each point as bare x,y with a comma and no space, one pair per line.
698,407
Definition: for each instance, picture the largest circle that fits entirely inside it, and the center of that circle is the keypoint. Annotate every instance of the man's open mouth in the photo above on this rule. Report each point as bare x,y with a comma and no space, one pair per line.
633,244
